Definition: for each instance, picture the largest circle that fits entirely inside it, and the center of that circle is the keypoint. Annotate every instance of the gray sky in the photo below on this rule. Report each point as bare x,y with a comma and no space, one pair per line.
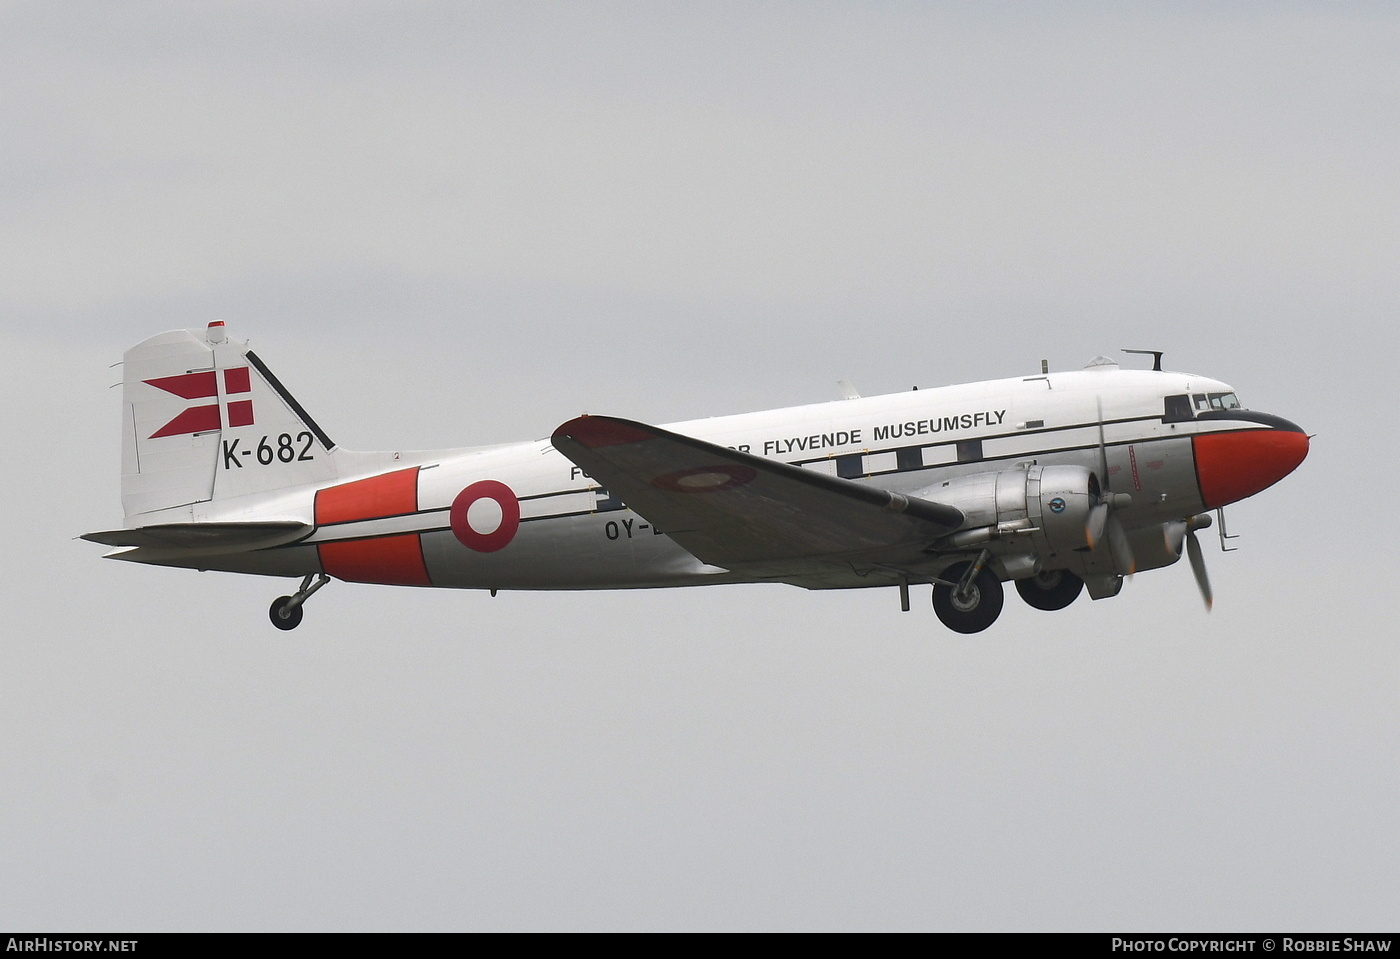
448,224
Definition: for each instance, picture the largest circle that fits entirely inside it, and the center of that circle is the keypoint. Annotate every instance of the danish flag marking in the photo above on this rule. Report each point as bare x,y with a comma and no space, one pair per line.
189,386
202,385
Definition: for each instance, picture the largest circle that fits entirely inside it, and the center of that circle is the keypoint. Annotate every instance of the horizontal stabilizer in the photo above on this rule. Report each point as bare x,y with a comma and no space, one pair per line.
204,536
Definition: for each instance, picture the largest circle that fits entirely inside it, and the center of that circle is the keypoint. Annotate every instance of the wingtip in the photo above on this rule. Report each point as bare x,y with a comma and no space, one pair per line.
593,432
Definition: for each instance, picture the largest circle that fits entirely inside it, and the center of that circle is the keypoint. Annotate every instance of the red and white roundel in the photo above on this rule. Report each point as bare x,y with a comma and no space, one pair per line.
480,528
706,479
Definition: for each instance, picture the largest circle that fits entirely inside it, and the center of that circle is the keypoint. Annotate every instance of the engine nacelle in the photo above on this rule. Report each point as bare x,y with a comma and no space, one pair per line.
1051,505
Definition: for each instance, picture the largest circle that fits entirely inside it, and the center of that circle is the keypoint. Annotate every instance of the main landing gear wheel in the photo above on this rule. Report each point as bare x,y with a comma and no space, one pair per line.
968,607
286,611
1051,589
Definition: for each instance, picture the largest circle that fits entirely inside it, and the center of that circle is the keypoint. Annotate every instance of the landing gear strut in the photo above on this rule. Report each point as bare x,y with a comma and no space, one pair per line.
286,610
1050,589
970,599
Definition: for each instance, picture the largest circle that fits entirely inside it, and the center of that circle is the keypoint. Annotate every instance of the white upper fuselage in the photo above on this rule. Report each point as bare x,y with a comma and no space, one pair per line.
571,534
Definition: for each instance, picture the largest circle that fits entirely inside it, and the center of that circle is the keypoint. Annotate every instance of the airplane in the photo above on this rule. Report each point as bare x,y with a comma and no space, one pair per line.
1062,483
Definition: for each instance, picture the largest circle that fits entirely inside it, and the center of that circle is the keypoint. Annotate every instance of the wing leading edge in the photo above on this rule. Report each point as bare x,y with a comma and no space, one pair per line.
750,514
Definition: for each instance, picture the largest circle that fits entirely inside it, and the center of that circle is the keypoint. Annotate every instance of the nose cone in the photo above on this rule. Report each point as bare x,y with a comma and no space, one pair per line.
1233,465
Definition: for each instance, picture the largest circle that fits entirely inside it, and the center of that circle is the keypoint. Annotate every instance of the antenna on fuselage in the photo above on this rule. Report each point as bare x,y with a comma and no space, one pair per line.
1156,358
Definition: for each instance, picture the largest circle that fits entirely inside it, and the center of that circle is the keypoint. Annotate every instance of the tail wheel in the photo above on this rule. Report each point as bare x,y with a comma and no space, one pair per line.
283,614
1051,589
286,611
973,608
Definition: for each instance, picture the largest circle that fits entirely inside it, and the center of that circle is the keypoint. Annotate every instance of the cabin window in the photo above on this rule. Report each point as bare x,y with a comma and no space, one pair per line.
969,451
850,467
1177,409
909,458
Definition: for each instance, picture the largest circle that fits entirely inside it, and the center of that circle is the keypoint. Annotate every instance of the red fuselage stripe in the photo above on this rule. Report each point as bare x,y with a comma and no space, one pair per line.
392,560
388,560
388,494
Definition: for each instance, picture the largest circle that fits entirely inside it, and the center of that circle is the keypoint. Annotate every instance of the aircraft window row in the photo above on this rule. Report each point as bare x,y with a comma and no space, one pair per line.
1181,406
860,465
1216,401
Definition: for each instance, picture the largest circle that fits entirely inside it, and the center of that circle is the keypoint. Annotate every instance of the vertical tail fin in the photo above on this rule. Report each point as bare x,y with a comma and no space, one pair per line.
203,420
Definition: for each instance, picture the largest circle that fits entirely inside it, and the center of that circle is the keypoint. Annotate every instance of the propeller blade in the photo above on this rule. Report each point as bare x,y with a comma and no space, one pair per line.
1174,536
1198,566
1118,543
1103,448
1093,527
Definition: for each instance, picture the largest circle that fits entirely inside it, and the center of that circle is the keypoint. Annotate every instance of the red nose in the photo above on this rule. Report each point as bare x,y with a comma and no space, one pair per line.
1231,466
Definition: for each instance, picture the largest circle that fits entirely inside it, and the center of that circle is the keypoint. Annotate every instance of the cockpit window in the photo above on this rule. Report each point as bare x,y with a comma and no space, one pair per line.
1224,401
1177,409
1202,403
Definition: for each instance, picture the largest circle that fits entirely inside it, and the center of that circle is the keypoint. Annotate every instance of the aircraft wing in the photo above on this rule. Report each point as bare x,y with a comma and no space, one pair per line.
736,510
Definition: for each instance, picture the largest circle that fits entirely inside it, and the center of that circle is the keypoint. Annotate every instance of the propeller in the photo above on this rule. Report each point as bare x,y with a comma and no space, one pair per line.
1102,524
